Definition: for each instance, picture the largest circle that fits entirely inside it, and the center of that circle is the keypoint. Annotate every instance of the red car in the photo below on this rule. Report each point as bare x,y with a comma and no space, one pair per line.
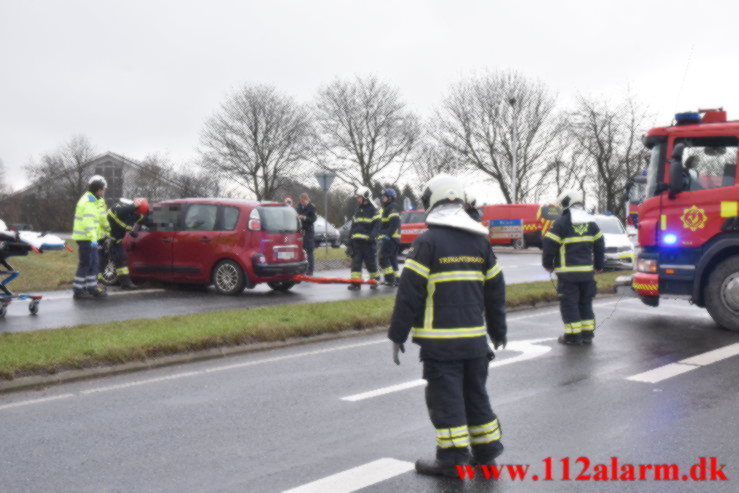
231,244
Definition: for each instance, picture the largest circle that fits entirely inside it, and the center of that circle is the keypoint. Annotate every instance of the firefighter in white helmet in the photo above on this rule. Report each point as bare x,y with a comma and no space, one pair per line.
451,299
363,234
574,249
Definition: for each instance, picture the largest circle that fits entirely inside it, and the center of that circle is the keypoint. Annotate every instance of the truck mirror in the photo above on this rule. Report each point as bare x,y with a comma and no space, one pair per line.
676,170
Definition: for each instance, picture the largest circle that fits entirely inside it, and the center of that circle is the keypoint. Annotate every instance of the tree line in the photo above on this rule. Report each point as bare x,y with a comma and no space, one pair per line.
263,143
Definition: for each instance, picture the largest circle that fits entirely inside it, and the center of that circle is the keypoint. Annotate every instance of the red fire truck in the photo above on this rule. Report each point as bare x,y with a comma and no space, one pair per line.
536,221
689,222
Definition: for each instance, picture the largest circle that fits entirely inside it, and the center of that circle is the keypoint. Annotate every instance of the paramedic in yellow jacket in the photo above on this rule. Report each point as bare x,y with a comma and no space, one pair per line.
86,231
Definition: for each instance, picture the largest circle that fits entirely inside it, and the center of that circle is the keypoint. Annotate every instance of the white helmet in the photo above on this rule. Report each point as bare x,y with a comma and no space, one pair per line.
363,192
570,197
442,188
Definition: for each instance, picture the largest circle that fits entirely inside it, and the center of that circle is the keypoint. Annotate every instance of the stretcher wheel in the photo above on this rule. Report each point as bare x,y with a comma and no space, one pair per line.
33,307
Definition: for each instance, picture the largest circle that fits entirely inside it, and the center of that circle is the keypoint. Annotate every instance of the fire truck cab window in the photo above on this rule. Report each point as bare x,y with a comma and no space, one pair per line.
709,163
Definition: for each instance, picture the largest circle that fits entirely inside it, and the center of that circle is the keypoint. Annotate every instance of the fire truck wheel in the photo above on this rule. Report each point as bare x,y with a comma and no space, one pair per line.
722,294
228,278
519,244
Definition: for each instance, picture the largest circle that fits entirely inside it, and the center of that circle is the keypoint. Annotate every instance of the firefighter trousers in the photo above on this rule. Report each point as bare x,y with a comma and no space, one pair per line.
87,269
389,258
459,408
576,307
116,253
364,253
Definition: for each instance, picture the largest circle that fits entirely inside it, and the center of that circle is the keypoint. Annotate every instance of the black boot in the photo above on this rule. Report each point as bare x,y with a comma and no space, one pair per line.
98,291
80,294
587,337
436,468
355,286
126,283
375,284
570,339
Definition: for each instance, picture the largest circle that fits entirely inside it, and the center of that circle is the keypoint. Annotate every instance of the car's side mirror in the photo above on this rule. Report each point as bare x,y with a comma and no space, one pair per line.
676,171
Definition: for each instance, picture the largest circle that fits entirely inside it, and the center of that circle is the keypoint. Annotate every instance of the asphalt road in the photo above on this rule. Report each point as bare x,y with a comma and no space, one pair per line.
287,418
58,309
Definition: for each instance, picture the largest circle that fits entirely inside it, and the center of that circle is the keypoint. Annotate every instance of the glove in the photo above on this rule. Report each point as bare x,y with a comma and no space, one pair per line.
349,251
94,244
397,347
133,234
499,342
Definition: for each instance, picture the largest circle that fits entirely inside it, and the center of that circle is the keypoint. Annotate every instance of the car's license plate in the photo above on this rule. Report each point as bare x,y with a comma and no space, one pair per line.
285,255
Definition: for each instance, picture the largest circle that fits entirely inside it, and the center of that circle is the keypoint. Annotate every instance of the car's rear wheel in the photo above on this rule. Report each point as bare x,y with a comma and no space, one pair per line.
283,286
109,277
228,277
722,294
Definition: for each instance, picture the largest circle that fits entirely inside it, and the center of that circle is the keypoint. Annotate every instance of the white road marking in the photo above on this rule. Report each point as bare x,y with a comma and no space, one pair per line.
529,349
356,478
35,401
685,365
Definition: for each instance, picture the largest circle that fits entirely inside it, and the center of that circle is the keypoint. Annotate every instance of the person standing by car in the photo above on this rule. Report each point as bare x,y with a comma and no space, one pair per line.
363,233
124,216
86,231
452,298
574,249
390,237
307,215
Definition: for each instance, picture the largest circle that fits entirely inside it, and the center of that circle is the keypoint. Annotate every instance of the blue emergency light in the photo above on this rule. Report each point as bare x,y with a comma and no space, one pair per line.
687,118
669,239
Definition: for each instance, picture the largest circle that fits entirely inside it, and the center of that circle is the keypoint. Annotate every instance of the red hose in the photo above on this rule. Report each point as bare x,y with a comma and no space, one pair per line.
332,280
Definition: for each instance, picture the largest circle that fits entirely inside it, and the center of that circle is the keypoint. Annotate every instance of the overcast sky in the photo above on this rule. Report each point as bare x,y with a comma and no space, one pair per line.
138,77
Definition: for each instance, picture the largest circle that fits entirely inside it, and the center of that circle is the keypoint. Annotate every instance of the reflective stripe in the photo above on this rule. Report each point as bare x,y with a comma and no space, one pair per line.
552,236
364,219
418,268
452,437
587,325
573,328
494,271
122,271
486,428
360,236
375,275
87,215
578,268
598,235
77,232
396,235
119,221
457,275
581,239
485,433
381,237
449,333
356,275
387,270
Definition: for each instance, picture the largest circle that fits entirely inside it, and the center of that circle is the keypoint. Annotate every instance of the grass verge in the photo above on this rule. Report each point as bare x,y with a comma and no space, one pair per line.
82,346
42,272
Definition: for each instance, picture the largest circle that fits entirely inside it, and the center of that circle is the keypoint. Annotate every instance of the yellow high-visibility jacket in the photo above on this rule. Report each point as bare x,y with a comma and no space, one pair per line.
87,218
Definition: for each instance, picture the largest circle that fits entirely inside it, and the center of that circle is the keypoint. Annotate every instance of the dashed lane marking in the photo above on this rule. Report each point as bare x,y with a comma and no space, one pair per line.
529,349
356,478
35,401
685,365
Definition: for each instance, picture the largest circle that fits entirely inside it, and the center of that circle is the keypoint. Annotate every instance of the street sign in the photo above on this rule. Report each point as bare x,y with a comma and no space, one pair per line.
325,180
506,229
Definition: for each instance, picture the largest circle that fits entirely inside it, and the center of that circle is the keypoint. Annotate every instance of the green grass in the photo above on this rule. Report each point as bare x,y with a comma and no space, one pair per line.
42,272
49,351
320,253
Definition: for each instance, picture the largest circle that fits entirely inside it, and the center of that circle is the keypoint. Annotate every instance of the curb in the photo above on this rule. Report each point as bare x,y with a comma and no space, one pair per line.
68,376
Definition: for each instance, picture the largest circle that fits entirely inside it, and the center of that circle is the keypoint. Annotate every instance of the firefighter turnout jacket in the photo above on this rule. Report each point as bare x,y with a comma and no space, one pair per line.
365,223
451,278
390,222
87,226
574,249
122,217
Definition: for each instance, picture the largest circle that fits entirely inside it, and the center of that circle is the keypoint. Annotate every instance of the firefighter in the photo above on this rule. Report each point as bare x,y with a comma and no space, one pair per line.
390,237
123,217
86,231
451,288
574,249
363,233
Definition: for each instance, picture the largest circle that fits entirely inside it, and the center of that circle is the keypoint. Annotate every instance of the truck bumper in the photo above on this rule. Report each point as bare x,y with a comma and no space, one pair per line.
647,287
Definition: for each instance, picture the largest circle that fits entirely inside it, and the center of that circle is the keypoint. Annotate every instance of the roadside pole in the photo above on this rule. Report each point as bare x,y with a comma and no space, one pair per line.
324,181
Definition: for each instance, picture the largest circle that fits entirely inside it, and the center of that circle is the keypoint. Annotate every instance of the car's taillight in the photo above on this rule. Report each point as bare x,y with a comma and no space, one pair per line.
648,266
255,222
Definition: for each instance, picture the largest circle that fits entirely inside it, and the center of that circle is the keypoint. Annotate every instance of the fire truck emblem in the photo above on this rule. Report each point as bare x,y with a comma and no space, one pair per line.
694,218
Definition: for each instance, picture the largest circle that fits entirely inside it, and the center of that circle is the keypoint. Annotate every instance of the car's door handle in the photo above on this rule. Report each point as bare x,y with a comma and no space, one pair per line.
205,239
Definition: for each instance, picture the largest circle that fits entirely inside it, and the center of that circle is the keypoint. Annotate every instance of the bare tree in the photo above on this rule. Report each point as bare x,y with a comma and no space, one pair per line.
608,135
59,179
365,131
4,188
431,159
256,138
565,168
484,120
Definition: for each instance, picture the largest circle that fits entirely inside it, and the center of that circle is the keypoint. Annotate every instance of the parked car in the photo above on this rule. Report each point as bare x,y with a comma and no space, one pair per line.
325,232
619,248
231,244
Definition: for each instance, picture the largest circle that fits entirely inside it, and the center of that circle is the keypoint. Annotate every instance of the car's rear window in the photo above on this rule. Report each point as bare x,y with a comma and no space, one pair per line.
279,219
